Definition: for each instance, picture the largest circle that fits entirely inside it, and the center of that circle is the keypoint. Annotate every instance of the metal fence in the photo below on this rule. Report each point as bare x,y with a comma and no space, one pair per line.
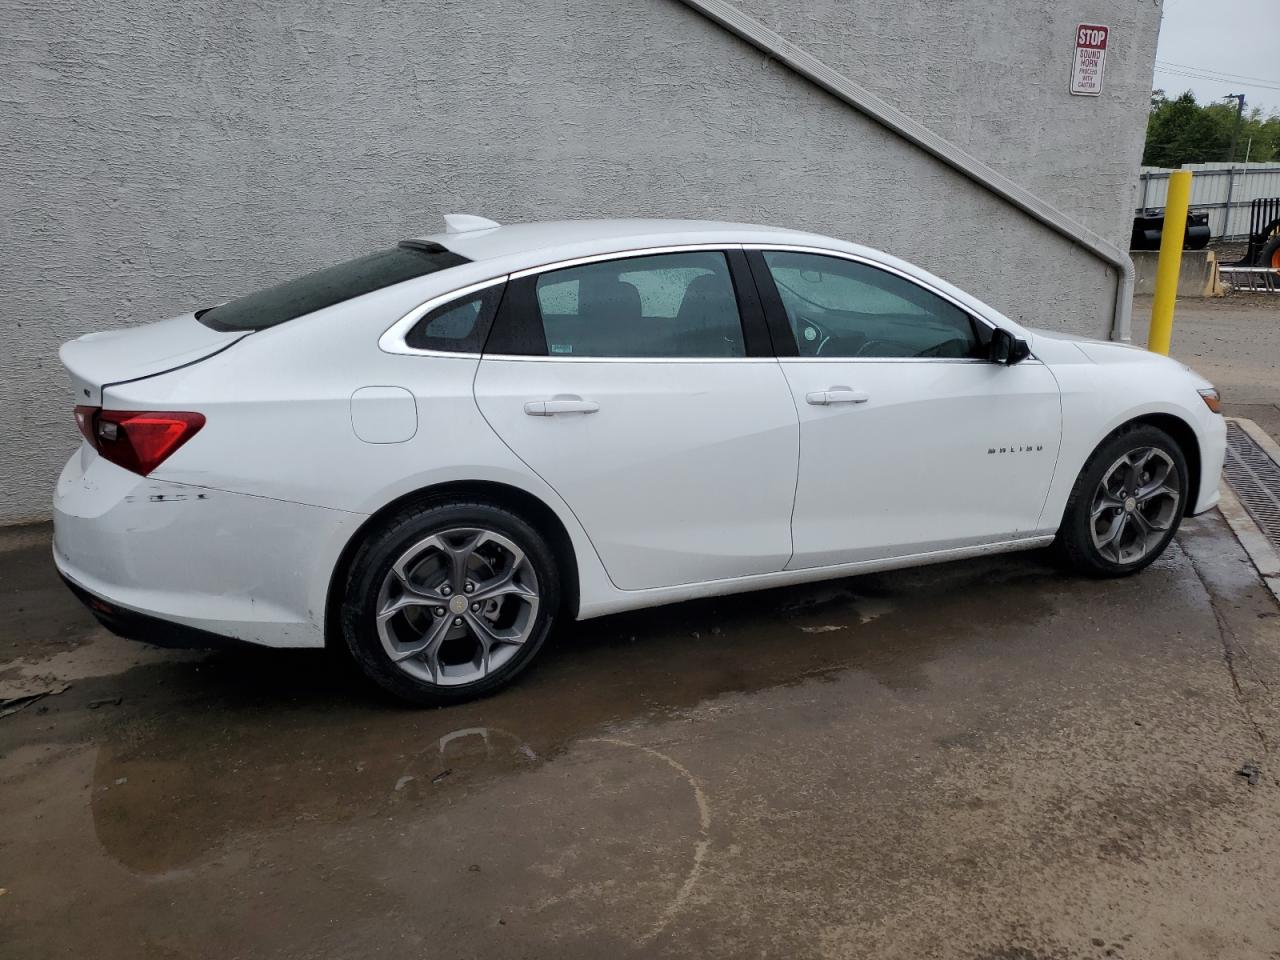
1224,190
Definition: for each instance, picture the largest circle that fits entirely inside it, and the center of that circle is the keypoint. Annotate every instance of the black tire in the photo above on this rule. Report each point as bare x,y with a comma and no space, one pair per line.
1076,544
372,565
1270,254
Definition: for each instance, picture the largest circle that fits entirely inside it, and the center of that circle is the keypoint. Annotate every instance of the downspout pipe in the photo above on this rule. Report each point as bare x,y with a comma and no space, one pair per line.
864,101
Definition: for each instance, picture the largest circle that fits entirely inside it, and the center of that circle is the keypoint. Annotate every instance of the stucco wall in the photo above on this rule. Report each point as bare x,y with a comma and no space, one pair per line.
992,78
162,156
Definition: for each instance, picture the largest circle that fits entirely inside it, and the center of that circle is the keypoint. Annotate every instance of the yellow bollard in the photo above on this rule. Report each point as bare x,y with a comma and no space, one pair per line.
1170,263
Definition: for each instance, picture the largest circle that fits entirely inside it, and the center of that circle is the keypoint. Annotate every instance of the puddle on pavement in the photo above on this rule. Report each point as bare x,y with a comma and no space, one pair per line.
254,739
270,785
40,616
102,654
258,739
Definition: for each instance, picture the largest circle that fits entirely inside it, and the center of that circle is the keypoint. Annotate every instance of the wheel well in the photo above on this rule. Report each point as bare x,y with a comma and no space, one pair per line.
1186,440
537,513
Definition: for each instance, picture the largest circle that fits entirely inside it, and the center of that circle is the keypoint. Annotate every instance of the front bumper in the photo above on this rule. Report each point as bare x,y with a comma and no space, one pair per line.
1213,450
186,558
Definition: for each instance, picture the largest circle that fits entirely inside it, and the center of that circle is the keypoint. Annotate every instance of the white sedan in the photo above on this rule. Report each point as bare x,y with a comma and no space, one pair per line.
430,453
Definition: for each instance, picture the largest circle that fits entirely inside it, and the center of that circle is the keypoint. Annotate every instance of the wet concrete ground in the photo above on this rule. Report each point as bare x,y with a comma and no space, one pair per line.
979,760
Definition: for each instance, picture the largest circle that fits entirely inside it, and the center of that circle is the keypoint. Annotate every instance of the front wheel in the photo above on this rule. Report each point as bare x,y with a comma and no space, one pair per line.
1126,504
1270,254
449,602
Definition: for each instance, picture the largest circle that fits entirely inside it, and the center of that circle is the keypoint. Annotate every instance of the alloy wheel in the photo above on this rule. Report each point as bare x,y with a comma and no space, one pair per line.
457,606
1136,503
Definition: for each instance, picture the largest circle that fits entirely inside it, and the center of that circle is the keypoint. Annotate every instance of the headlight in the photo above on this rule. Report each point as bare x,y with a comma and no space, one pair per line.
1211,399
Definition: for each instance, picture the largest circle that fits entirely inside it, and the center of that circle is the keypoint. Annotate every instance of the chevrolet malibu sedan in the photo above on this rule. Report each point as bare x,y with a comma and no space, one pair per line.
429,454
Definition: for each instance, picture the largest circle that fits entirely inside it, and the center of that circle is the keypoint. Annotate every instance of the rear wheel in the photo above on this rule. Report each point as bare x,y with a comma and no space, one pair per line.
1126,504
450,602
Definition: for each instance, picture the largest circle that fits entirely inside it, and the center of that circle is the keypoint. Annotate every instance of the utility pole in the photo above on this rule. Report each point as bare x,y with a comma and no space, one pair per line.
1235,134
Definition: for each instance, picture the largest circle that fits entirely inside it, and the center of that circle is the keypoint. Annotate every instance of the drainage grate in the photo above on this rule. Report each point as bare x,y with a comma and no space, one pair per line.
1255,478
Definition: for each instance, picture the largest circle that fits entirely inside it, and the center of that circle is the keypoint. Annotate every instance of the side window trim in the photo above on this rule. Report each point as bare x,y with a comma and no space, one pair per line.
757,338
784,336
393,338
624,255
517,332
517,329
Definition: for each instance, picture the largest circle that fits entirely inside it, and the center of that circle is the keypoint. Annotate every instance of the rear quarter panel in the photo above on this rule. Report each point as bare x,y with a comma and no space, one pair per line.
278,409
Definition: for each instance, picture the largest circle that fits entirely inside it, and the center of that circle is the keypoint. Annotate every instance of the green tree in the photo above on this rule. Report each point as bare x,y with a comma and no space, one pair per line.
1183,131
1265,133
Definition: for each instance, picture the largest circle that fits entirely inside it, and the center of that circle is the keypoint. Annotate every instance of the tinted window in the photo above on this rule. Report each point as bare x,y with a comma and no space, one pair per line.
666,305
459,326
324,288
839,308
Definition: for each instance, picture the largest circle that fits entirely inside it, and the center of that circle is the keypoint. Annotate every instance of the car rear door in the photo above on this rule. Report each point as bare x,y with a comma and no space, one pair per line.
641,387
910,441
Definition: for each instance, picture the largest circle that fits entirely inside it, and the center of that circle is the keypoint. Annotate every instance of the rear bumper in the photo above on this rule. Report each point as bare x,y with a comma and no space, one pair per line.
167,558
138,626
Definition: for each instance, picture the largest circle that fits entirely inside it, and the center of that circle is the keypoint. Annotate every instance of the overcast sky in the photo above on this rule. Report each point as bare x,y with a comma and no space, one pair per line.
1237,40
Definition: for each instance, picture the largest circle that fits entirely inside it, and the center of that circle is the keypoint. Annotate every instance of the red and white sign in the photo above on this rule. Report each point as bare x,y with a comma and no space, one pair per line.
1091,56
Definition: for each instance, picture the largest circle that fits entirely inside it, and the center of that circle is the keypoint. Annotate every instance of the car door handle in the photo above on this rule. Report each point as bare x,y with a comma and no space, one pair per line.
822,398
558,405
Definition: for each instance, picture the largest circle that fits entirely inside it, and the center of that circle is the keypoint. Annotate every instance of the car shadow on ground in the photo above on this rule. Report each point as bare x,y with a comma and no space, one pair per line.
672,657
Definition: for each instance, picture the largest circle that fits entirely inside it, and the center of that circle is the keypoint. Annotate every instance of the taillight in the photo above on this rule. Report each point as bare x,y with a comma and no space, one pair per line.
138,440
84,420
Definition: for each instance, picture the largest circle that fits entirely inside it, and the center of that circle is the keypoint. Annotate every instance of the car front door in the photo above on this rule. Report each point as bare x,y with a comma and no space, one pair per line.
910,440
642,388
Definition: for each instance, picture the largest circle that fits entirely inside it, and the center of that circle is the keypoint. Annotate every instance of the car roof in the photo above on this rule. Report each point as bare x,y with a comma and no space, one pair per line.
556,240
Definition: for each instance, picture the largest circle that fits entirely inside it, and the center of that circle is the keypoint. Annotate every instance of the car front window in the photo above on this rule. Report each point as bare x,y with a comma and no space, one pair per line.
842,308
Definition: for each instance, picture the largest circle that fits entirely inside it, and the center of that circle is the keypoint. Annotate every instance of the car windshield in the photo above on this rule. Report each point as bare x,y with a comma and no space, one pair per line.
324,288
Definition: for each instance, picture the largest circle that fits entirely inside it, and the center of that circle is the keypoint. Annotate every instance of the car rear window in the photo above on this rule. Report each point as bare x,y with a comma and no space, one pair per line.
324,288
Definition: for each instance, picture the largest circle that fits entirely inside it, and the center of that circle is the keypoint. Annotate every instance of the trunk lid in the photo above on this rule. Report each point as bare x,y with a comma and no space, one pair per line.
100,359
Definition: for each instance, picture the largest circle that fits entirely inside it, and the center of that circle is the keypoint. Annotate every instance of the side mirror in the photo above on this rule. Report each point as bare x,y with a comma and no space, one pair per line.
1007,349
